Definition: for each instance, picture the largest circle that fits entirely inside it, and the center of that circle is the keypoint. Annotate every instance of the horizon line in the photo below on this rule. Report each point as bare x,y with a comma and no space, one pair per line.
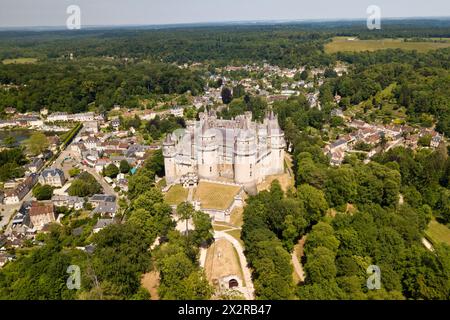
218,23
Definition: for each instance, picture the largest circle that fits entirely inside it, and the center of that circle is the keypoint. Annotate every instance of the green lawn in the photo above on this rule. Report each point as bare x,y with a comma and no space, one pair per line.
176,195
344,44
20,61
215,196
438,233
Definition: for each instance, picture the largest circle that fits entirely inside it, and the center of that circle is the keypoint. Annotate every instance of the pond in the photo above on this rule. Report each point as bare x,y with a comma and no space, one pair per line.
19,135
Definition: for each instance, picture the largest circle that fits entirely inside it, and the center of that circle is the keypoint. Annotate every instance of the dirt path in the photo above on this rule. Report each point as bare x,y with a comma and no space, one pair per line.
298,268
150,281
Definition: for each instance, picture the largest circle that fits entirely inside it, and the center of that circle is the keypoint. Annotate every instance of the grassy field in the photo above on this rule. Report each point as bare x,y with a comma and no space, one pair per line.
176,195
20,61
438,233
344,44
237,217
222,260
215,196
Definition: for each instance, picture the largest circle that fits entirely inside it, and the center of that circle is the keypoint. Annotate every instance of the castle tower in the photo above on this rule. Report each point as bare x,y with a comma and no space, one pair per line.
208,166
245,171
169,159
277,143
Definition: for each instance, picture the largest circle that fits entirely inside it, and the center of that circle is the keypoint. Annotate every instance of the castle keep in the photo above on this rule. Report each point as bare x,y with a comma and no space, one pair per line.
237,150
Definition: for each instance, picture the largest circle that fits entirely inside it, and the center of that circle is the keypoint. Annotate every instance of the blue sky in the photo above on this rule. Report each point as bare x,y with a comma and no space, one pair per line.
145,12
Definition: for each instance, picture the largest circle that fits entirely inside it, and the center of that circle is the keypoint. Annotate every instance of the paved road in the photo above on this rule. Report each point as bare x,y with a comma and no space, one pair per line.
250,291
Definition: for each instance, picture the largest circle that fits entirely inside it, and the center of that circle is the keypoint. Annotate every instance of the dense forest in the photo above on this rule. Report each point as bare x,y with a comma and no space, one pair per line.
73,86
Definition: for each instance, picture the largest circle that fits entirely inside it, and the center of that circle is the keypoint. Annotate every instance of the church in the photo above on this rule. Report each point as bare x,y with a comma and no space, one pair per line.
238,150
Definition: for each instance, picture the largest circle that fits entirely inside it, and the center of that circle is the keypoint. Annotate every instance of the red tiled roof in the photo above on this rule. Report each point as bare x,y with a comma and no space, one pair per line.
38,208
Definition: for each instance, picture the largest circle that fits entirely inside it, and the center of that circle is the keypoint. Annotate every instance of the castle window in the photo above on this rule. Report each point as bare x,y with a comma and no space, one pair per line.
210,169
250,173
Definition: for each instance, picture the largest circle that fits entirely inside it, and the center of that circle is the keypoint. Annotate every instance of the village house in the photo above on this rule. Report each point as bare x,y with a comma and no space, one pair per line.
92,143
41,214
91,126
22,217
96,199
102,163
436,141
337,112
53,177
101,224
14,196
70,202
35,165
115,123
58,116
105,209
82,117
10,110
5,258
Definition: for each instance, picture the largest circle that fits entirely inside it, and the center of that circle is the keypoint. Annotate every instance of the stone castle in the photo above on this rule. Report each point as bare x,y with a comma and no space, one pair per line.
237,150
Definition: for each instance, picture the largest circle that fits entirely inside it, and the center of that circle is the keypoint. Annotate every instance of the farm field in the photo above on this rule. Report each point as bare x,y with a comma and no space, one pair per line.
340,44
438,233
20,61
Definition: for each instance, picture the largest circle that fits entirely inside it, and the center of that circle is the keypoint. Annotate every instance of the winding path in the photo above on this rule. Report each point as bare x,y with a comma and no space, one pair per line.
298,268
250,291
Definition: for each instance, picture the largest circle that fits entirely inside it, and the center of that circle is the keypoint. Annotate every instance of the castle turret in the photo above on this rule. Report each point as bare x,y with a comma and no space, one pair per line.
277,143
169,153
208,166
245,171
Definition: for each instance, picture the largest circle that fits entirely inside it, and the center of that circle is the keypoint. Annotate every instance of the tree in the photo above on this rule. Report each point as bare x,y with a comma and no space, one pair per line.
9,141
227,96
123,245
238,91
124,167
155,163
185,211
74,172
36,143
304,75
85,185
139,183
320,265
341,186
322,235
203,228
314,202
425,140
111,171
42,192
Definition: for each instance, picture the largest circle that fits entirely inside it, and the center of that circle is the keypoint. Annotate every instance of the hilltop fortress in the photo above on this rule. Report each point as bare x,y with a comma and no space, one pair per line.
237,150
